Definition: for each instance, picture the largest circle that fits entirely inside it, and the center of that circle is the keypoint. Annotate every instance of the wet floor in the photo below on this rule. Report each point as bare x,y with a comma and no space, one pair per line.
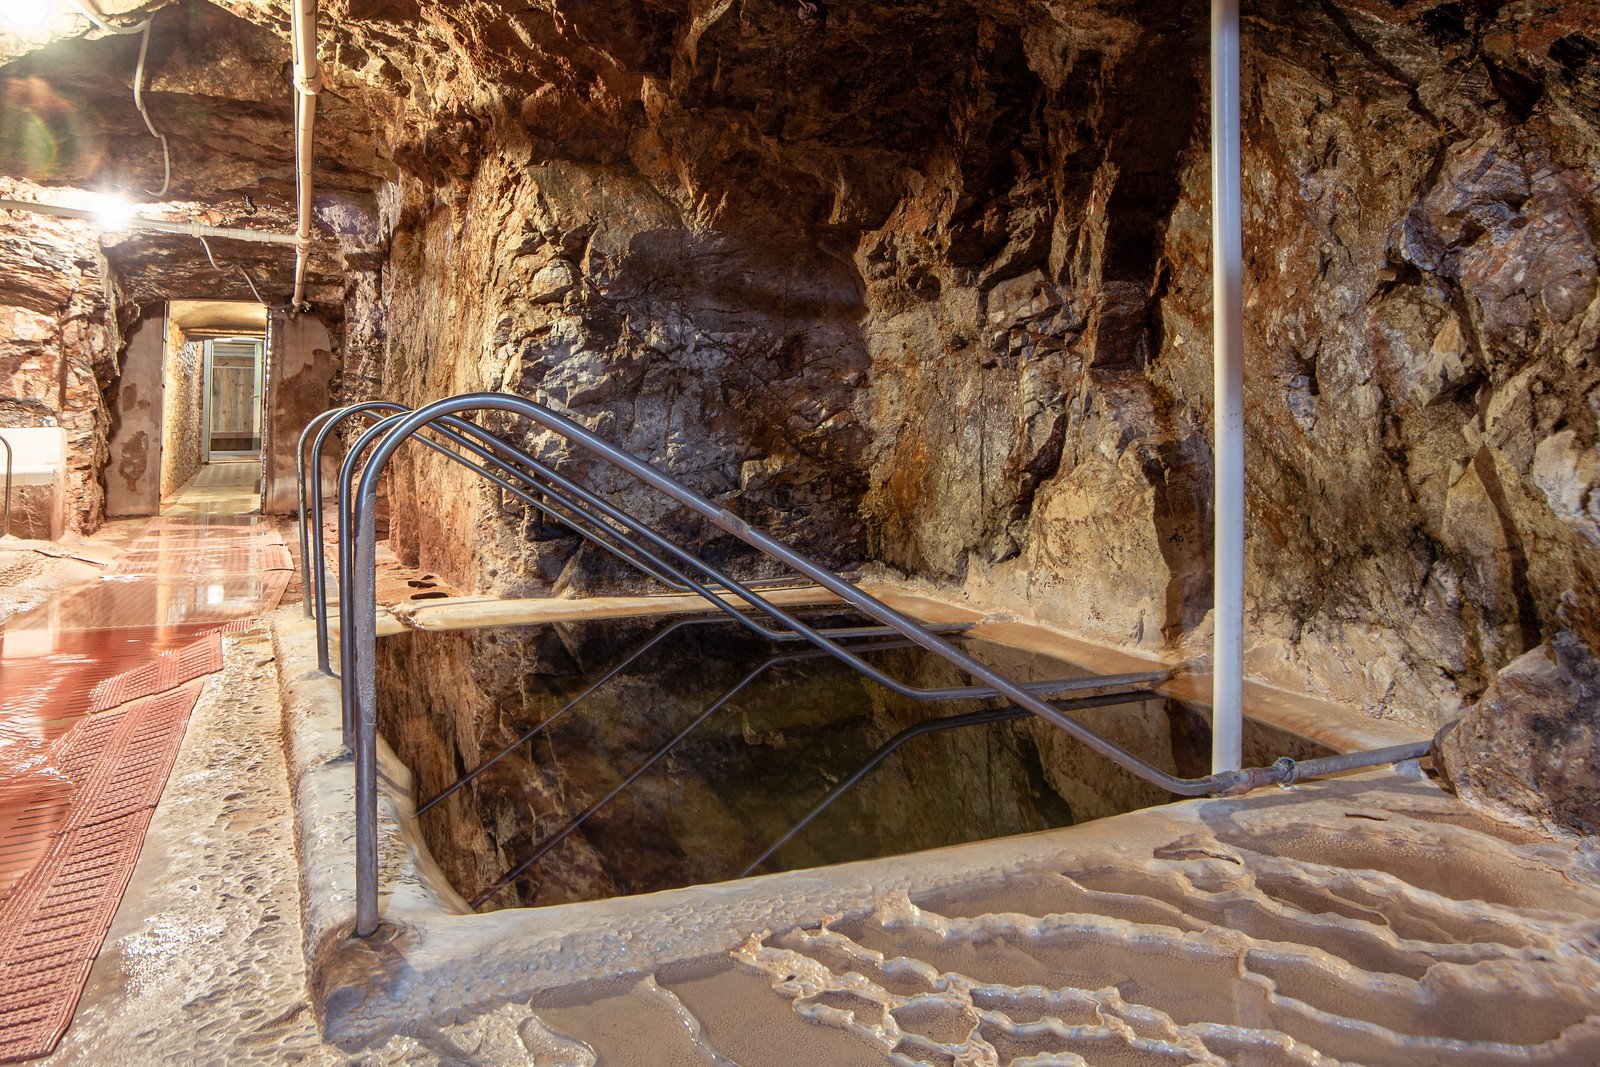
208,560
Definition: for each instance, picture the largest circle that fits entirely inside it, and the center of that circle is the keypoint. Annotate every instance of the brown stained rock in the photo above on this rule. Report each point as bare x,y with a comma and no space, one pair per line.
937,296
1530,750
925,282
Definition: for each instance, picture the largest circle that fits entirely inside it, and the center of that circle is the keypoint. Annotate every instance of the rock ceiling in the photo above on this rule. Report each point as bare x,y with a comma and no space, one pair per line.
839,93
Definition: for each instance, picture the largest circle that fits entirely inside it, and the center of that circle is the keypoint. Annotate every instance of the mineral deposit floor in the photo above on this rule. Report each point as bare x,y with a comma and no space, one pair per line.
1370,920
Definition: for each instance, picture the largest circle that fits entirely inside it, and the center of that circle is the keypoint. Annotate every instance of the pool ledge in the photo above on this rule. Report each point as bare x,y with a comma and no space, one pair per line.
435,959
1338,726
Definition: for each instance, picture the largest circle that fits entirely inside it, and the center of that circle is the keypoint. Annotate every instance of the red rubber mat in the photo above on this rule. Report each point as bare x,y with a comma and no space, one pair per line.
200,558
48,677
54,922
276,558
143,600
167,671
237,626
32,807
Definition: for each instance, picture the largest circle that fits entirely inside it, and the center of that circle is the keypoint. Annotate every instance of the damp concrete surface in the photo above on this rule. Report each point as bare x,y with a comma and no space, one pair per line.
1372,919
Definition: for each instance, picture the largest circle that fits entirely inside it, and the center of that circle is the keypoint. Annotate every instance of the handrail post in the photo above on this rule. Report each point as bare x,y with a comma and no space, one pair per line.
361,639
300,490
319,567
1227,311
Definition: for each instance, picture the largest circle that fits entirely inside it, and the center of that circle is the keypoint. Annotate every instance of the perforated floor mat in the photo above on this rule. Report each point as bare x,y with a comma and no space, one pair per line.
166,671
54,921
95,689
32,807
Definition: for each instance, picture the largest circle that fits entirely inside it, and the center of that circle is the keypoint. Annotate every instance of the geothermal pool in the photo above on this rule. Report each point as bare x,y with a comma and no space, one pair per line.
743,777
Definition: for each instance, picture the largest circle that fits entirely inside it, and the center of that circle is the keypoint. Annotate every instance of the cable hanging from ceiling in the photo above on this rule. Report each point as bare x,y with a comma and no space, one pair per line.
143,29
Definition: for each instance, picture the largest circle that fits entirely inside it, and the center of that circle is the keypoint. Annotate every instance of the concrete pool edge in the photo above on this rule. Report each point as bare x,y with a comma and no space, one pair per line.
1326,722
435,959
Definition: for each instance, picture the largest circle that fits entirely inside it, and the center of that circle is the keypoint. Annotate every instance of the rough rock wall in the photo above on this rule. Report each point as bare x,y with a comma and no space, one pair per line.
59,343
730,358
1421,370
978,350
180,413
926,284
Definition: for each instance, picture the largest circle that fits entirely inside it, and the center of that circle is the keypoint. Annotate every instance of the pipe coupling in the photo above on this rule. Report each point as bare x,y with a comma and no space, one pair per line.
1287,770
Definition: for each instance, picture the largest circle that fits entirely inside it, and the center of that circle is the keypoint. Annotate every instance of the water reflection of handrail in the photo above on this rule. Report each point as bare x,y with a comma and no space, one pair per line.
5,531
358,611
838,634
573,824
929,726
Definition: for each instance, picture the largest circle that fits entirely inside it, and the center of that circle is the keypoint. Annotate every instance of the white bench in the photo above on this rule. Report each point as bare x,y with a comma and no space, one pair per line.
38,458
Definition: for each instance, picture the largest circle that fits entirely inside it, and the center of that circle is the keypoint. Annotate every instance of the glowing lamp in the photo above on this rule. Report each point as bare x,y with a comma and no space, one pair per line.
111,210
26,13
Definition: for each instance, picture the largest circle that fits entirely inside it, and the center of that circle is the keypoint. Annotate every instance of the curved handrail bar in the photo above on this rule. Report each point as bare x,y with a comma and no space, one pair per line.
370,407
838,634
347,559
997,685
359,582
317,586
719,580
929,726
572,824
652,567
317,603
337,415
558,488
306,435
5,531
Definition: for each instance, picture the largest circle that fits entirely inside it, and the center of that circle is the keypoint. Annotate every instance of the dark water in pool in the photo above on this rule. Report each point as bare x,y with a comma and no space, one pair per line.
449,701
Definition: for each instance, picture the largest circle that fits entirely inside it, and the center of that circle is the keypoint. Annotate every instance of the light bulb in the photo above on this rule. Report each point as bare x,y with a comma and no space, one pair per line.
112,211
26,13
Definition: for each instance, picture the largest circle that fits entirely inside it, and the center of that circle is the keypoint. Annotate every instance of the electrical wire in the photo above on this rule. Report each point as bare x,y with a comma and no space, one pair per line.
142,27
247,279
251,283
138,102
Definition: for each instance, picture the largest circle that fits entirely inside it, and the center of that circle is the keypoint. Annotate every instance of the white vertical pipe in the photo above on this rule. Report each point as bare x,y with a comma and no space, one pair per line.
307,82
1227,302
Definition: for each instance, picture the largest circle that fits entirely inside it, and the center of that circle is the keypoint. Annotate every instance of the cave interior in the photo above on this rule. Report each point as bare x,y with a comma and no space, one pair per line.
923,288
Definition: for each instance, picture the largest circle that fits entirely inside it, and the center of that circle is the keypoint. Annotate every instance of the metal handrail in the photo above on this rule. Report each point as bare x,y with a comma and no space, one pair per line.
719,581
370,408
838,634
5,531
712,590
313,567
313,554
313,563
358,582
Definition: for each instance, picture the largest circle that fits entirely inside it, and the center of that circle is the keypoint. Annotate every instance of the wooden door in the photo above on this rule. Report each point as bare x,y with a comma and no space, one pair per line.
235,425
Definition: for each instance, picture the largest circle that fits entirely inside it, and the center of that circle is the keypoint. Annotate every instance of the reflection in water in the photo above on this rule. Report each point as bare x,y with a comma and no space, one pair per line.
741,778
